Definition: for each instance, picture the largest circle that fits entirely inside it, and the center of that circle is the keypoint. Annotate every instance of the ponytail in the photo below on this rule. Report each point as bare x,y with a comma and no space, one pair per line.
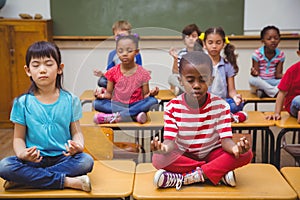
231,57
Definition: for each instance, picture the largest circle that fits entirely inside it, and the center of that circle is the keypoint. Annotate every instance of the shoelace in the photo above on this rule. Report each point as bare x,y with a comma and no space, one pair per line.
235,118
115,116
174,180
194,177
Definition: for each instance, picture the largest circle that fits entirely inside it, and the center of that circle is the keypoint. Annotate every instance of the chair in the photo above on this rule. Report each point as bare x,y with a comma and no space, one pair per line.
101,146
288,124
292,148
98,142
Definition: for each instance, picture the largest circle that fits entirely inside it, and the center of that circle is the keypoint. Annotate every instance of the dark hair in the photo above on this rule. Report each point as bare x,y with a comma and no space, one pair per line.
44,49
267,28
299,45
189,29
134,37
229,49
196,58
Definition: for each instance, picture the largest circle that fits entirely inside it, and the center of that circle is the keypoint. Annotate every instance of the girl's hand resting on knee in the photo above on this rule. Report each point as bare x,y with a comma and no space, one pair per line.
72,148
31,154
237,99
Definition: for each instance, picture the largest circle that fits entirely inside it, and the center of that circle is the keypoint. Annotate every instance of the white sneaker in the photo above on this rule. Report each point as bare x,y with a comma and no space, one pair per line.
85,181
229,179
194,176
165,179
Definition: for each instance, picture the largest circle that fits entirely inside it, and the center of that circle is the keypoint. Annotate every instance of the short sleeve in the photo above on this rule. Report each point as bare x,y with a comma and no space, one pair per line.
77,109
255,56
17,114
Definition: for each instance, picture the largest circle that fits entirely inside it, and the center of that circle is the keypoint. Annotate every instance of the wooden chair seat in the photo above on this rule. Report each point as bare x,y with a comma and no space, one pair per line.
293,150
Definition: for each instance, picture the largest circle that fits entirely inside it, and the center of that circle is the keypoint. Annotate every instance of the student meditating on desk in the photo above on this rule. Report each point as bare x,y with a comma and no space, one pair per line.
127,96
198,143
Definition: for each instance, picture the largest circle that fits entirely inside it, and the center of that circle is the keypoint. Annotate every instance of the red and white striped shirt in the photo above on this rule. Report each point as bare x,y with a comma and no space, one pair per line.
197,130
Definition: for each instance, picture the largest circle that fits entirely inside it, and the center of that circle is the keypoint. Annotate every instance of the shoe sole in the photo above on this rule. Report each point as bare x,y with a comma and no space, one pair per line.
141,118
230,180
157,176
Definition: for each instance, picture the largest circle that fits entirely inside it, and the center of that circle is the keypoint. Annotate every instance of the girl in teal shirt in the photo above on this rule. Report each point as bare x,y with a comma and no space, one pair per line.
48,142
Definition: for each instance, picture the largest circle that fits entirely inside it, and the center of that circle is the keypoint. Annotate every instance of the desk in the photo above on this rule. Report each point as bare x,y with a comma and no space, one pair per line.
256,121
87,97
164,96
252,98
155,123
254,181
287,123
109,179
292,174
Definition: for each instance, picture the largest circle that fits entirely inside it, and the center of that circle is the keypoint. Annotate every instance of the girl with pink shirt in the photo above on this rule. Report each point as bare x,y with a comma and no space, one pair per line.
127,96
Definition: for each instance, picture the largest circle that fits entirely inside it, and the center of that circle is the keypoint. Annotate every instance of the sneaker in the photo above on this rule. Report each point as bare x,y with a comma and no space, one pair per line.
239,117
260,93
229,179
85,181
102,118
164,179
194,176
141,118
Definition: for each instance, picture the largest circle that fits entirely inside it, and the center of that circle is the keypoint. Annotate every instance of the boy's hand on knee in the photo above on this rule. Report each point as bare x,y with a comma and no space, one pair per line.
157,146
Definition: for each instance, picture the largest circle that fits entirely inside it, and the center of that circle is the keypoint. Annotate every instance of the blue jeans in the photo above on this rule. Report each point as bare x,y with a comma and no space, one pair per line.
295,106
233,107
49,173
126,111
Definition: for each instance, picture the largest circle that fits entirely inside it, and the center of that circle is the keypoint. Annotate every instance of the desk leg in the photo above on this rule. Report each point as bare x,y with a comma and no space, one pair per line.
272,143
264,146
143,145
254,139
278,146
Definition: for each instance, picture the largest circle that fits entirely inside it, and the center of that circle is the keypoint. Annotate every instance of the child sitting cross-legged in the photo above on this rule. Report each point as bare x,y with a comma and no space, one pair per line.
198,143
127,96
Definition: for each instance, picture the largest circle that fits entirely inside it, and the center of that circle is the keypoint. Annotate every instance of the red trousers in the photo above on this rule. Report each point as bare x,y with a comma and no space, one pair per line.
215,165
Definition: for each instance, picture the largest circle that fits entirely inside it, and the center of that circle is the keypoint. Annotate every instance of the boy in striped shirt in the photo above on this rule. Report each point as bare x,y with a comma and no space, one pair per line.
198,143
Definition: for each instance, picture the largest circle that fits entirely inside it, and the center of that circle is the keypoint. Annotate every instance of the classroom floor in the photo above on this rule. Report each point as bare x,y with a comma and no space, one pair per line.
6,137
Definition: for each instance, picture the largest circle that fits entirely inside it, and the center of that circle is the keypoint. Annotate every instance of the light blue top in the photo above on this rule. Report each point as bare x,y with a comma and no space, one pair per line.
220,75
48,125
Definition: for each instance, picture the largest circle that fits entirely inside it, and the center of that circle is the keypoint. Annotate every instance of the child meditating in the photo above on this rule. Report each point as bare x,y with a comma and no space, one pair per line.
121,27
267,64
127,96
198,143
48,142
224,69
289,92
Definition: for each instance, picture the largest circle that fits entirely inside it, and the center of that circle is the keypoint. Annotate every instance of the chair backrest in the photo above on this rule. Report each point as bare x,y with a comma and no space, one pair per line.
98,142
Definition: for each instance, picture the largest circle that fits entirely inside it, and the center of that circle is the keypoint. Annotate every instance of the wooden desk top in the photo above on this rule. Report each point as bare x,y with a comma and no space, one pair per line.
292,174
155,120
165,95
109,179
287,121
255,119
87,95
254,181
248,96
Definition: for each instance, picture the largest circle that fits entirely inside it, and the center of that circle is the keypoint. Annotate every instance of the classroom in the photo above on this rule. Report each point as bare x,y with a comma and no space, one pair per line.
81,56
82,53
